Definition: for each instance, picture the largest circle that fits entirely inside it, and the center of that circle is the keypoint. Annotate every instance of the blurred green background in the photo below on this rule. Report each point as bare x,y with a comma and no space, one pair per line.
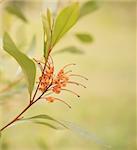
106,108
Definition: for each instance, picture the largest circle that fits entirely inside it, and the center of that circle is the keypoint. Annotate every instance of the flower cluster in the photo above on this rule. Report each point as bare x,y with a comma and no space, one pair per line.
48,81
46,78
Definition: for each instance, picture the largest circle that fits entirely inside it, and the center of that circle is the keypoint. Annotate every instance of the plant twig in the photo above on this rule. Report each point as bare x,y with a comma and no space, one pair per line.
32,101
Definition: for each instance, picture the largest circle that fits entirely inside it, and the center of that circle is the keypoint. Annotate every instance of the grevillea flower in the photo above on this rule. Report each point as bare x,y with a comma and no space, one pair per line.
56,83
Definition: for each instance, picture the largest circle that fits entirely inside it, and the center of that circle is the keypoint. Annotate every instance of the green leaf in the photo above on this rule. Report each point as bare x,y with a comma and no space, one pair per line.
85,134
88,7
70,49
45,117
37,120
49,18
46,124
47,34
16,10
84,37
65,20
26,63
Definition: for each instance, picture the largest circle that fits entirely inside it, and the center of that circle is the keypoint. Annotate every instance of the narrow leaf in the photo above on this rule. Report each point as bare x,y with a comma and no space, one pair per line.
46,124
35,122
84,37
84,133
45,117
49,17
15,10
88,7
70,49
47,35
46,27
65,20
26,63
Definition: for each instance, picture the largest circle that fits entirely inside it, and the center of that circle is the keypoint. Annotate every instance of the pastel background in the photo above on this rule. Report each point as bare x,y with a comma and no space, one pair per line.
106,107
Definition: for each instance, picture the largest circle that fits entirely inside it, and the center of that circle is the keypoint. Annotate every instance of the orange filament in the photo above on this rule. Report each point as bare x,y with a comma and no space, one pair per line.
52,99
79,76
68,71
71,92
68,65
54,84
72,82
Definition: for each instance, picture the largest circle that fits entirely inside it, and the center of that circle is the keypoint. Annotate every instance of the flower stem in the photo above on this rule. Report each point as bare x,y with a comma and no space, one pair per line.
32,101
16,118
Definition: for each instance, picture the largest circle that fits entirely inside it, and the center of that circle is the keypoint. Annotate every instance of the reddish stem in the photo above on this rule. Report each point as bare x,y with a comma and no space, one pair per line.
32,101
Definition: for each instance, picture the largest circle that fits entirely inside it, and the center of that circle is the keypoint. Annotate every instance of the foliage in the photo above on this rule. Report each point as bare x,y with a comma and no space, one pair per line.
16,10
88,7
53,30
70,49
65,20
84,37
26,64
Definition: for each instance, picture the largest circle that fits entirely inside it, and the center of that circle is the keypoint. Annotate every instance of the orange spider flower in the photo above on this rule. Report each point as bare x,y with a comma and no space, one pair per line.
48,81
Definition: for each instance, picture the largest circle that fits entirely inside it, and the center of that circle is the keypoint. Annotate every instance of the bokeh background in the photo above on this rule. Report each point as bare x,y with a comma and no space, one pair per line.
106,108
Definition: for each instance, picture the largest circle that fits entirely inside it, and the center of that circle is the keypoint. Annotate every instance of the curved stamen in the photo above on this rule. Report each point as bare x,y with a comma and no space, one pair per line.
67,71
49,93
72,82
52,99
68,65
71,92
79,76
62,101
